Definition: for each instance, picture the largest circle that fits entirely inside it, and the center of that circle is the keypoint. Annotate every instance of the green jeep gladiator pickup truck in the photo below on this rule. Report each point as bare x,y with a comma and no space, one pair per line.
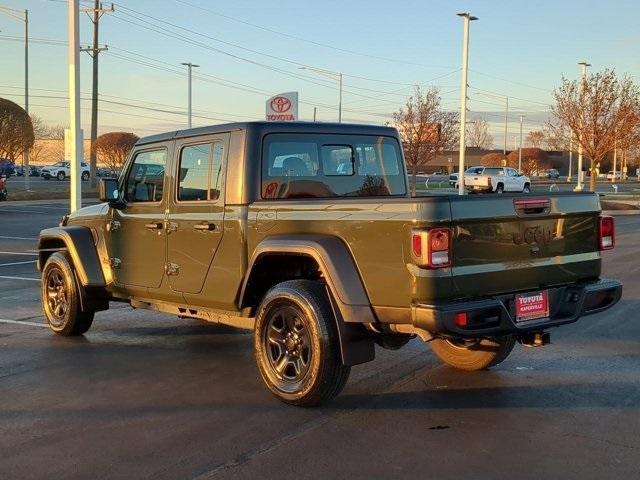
306,234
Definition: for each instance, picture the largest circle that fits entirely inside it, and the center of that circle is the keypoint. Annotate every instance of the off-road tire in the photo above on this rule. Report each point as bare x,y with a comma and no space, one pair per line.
60,176
306,304
63,313
485,354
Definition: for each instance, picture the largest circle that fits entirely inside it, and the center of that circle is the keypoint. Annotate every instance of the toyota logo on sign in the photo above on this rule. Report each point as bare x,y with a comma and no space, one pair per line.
280,104
282,107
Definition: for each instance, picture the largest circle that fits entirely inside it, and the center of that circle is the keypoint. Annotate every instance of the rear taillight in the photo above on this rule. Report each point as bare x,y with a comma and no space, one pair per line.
431,248
607,233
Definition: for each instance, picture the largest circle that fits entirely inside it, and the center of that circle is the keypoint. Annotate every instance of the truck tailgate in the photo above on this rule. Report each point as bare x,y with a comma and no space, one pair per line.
507,243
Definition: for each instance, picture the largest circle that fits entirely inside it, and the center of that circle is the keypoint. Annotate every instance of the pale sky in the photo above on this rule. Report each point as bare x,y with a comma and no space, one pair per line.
248,50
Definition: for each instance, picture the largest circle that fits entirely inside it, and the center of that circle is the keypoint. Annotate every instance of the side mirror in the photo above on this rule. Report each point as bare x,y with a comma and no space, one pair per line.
108,191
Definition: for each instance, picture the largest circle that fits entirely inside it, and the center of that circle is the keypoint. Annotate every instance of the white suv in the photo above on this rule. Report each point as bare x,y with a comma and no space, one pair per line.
62,170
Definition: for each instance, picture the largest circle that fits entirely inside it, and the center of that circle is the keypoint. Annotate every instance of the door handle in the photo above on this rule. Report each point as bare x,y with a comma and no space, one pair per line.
205,227
154,225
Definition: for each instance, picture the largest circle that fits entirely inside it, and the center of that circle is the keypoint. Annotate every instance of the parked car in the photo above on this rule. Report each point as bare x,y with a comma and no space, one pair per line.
7,167
453,180
251,225
3,188
104,172
553,173
495,179
611,175
62,170
34,171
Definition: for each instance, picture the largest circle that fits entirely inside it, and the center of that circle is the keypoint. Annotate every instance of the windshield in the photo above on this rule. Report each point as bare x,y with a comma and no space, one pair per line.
60,164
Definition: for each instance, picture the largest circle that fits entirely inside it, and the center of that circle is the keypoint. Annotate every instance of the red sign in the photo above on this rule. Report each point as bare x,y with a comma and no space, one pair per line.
280,104
532,305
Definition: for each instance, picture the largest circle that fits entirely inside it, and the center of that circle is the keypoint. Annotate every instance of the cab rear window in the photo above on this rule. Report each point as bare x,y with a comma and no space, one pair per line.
328,166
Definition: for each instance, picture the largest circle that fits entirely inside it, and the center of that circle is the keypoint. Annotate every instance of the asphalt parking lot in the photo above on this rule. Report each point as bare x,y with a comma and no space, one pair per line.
146,395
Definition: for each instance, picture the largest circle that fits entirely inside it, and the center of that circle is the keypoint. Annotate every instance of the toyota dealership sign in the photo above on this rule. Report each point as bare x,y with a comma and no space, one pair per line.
283,107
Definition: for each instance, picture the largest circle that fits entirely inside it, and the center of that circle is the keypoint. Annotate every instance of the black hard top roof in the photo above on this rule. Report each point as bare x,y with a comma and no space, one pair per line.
274,127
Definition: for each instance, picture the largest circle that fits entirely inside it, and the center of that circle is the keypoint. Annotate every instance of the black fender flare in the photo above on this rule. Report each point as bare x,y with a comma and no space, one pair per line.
79,243
347,294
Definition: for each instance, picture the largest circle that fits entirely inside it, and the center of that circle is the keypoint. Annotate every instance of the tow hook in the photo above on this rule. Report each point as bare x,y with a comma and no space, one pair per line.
535,339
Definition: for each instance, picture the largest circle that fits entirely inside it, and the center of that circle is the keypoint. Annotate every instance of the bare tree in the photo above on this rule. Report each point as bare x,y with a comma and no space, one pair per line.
16,131
595,109
535,139
425,129
48,139
113,148
478,134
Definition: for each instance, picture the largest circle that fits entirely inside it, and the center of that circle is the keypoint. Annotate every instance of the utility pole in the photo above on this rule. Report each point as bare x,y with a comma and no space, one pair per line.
467,18
506,121
94,14
520,149
578,188
314,113
189,66
340,101
75,143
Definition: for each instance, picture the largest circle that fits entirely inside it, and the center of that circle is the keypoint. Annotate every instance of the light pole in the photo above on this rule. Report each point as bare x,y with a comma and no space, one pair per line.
189,66
615,156
75,143
23,16
520,149
570,157
506,121
578,188
467,18
334,76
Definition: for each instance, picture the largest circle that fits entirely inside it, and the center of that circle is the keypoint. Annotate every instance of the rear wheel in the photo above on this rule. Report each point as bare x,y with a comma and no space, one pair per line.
500,188
526,188
61,298
85,176
473,355
296,344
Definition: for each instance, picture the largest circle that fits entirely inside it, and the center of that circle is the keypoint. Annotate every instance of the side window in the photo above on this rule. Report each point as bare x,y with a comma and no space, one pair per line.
193,173
337,159
146,176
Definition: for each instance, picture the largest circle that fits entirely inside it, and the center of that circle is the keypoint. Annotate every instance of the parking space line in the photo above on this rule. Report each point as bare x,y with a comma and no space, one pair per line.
33,254
10,277
17,238
16,263
18,322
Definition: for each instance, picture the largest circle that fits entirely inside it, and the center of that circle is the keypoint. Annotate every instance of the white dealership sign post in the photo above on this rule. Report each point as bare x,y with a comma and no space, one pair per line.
283,107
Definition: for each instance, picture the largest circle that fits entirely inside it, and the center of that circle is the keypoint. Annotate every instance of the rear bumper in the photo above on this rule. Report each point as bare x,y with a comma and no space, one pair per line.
496,316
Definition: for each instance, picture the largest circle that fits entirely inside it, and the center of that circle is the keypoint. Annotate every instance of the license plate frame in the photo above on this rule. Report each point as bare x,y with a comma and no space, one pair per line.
532,306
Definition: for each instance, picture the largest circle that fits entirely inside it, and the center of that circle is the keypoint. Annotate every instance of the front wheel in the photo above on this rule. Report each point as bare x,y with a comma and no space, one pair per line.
473,355
85,176
61,298
60,176
296,344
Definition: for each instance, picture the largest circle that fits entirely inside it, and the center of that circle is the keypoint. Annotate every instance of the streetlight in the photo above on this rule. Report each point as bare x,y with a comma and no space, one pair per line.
467,18
334,76
189,66
578,188
75,133
520,150
23,16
